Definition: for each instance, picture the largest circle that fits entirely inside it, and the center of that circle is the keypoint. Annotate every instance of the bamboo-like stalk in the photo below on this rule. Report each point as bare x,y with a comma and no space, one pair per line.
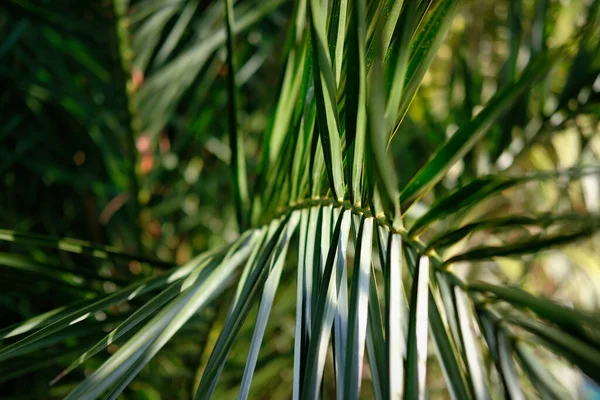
133,122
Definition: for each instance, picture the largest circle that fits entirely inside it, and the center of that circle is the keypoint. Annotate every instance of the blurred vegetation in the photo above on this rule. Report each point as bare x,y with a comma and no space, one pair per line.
116,131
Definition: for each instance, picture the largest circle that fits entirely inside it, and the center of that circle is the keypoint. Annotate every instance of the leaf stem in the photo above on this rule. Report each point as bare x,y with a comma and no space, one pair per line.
236,141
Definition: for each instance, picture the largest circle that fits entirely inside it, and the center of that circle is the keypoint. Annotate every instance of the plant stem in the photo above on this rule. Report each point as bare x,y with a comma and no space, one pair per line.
236,141
133,122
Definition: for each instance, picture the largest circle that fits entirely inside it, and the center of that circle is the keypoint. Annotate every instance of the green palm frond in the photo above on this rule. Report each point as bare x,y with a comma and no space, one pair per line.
375,267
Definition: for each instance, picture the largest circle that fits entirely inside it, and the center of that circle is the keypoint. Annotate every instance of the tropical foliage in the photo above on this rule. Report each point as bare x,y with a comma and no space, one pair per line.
413,213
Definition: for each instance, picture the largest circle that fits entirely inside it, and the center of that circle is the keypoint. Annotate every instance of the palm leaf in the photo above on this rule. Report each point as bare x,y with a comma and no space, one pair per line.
326,167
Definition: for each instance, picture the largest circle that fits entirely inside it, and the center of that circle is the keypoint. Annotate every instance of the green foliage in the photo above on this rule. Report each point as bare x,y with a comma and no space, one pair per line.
411,280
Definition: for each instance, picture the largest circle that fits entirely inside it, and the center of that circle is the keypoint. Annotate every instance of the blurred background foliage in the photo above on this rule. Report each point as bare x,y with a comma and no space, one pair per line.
114,131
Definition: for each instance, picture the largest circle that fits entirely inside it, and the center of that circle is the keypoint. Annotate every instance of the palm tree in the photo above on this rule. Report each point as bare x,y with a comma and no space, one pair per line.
369,277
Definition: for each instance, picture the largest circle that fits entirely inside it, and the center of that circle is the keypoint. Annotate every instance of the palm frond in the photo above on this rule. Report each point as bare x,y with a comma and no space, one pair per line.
326,196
